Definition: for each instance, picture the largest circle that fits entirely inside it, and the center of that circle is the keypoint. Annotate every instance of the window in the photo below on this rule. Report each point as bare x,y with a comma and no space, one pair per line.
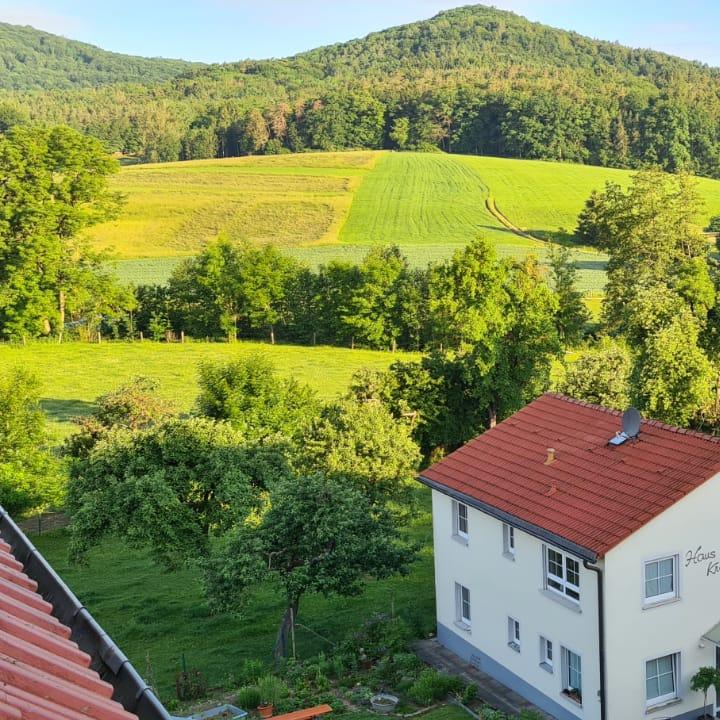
572,675
509,541
514,634
546,654
660,580
661,679
460,520
562,574
462,606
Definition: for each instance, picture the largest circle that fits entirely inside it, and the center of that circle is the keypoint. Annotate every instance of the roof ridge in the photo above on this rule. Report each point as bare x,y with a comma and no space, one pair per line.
648,421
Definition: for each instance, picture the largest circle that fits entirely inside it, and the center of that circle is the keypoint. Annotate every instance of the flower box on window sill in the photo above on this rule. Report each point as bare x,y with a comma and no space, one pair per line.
573,695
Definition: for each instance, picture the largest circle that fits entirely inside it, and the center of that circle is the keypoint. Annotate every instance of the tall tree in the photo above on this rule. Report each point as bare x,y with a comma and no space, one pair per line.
317,534
31,478
55,186
572,315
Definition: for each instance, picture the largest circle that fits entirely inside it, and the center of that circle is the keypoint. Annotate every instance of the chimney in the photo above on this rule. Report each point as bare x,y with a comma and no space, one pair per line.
550,456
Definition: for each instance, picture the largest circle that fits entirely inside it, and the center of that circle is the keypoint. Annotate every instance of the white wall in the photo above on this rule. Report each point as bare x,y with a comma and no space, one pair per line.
634,634
500,588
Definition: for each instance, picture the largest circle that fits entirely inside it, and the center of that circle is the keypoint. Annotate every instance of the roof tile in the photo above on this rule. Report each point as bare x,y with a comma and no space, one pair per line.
43,674
593,494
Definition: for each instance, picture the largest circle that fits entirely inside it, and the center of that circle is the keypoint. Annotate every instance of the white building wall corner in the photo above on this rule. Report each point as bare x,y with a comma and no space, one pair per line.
501,587
636,633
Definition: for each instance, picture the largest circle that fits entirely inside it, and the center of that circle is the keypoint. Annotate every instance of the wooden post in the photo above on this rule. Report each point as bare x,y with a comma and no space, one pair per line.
292,630
182,336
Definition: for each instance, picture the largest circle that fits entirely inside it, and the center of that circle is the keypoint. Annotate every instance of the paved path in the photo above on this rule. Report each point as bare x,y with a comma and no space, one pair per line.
489,690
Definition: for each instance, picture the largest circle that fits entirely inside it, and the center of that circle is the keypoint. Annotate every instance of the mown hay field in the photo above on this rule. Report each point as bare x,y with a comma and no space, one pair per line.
322,206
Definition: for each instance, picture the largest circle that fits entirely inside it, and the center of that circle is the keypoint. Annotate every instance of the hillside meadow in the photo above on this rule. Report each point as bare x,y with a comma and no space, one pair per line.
323,206
73,374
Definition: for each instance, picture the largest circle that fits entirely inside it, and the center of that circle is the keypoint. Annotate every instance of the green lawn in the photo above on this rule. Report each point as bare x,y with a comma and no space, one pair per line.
156,617
72,375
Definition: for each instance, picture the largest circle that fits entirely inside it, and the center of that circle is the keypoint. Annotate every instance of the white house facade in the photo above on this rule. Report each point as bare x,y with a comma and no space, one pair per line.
582,574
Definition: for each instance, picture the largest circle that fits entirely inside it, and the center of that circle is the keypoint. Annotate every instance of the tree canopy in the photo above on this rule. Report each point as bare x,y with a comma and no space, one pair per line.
55,186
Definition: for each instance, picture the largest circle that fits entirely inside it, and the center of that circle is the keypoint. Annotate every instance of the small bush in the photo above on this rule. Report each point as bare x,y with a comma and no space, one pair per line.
469,693
379,637
272,689
248,697
530,715
251,671
190,685
432,685
488,713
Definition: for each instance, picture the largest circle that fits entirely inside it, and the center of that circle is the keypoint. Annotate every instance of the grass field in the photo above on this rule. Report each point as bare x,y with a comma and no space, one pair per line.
72,375
157,616
323,206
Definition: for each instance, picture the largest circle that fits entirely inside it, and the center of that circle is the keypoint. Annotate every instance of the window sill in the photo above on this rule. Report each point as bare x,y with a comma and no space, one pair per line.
509,556
566,602
460,540
514,646
547,667
661,706
649,605
462,626
570,698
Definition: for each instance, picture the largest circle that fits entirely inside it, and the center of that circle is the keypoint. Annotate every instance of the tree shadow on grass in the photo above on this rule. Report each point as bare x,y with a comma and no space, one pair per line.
65,410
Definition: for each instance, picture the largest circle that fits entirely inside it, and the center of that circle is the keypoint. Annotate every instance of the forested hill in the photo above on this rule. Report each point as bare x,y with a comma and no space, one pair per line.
482,37
32,59
472,80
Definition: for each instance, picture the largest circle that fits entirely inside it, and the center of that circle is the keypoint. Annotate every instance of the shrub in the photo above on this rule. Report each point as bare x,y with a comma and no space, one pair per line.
432,685
530,715
378,637
272,689
714,224
488,713
190,685
252,671
469,693
248,697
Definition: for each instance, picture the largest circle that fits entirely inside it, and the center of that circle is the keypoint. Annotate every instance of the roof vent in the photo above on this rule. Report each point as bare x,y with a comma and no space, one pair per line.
550,456
630,427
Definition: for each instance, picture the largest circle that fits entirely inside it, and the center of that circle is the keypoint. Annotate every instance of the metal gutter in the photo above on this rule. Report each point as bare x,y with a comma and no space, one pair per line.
131,691
530,528
601,633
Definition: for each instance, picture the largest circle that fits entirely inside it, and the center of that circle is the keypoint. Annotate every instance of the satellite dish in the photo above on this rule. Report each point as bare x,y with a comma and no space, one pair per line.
631,422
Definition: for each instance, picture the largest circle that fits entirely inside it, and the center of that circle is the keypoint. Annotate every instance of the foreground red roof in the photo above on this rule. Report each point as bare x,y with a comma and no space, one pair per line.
43,674
593,495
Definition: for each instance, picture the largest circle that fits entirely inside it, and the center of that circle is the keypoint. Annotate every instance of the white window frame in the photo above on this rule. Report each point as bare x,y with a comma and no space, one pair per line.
458,532
508,541
565,658
668,697
463,619
652,600
560,584
513,633
547,651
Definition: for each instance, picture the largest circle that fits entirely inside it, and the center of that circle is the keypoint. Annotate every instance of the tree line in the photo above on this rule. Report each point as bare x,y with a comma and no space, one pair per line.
232,290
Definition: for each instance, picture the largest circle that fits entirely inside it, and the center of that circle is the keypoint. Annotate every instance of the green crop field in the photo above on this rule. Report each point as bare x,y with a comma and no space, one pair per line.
322,206
72,375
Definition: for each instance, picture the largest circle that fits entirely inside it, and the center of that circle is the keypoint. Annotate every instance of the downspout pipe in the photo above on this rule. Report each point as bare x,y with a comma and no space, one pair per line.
601,633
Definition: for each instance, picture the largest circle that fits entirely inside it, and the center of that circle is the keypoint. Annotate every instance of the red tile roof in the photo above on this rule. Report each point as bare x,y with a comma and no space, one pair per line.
43,674
593,495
